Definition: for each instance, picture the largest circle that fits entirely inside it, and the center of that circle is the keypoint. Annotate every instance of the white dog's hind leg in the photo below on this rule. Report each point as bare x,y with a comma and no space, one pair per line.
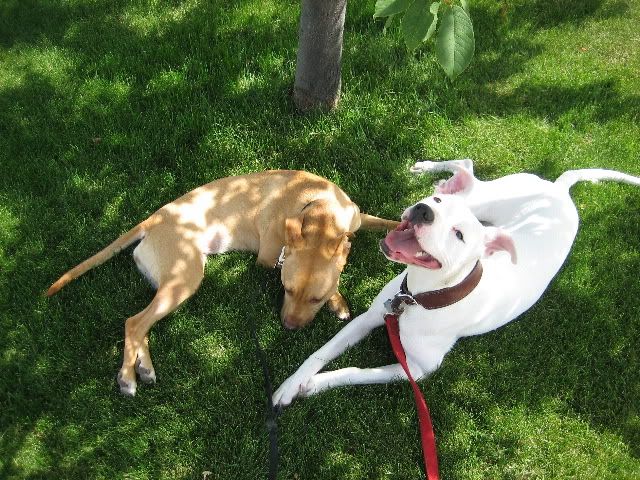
443,166
462,181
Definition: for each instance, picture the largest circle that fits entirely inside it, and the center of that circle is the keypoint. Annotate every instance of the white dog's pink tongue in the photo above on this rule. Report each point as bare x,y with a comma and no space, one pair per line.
403,242
405,248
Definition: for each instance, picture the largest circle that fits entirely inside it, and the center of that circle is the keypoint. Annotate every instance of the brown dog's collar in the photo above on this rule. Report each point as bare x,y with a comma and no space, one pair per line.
436,298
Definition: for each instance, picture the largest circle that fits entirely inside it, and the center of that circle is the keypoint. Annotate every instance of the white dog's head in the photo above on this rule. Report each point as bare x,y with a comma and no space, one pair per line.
440,233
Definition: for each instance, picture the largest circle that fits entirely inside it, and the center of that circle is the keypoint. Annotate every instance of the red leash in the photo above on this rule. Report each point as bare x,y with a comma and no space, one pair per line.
426,427
430,301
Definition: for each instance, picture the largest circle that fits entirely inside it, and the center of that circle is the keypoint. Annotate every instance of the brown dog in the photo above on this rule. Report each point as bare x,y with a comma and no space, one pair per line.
306,217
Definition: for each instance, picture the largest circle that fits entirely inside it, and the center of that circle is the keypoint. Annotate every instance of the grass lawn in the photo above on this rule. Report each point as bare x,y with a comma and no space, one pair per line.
110,109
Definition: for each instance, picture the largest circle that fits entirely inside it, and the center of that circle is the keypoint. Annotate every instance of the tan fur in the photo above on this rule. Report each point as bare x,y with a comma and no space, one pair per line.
259,212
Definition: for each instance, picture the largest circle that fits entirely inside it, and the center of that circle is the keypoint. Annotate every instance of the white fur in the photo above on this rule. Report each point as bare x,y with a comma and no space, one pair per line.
146,261
535,223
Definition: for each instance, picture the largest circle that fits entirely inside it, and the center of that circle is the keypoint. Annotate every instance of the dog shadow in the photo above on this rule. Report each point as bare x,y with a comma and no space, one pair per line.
570,360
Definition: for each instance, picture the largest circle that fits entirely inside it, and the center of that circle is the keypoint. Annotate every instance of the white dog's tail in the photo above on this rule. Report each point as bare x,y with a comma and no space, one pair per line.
571,177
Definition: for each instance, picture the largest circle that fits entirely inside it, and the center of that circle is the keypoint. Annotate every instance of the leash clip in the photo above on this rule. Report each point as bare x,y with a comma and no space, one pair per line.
280,260
396,305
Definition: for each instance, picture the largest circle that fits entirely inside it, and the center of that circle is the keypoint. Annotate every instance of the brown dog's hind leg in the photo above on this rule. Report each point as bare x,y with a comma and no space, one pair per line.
136,352
144,365
339,306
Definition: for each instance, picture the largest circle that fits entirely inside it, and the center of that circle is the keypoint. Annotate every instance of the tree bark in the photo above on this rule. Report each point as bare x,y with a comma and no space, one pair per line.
318,67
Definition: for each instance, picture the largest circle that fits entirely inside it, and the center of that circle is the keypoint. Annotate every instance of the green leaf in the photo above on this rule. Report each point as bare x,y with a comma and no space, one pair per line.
416,23
465,5
454,41
385,8
434,11
388,23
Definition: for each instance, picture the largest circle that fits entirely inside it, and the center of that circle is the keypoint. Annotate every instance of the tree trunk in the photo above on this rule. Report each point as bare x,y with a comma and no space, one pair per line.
318,66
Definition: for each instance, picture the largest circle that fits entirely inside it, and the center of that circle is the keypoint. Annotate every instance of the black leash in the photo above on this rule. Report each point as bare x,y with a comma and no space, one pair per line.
271,422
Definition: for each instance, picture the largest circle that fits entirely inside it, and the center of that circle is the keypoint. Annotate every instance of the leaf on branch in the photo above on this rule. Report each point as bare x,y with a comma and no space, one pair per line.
434,11
388,23
465,5
455,43
416,23
385,8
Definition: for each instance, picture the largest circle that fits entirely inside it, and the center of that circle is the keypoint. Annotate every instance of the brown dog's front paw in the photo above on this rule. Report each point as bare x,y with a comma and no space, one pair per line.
127,386
339,306
146,371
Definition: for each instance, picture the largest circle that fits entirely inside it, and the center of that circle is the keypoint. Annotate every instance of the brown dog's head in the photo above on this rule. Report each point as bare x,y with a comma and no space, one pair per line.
315,254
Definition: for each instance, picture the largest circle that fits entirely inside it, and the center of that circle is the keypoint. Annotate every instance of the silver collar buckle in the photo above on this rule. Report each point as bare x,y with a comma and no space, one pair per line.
280,260
396,305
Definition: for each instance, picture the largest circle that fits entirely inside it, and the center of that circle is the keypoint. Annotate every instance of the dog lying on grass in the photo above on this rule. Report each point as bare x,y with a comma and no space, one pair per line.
514,232
306,217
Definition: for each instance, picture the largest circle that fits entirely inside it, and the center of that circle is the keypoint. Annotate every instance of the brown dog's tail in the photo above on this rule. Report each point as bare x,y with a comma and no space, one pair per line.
369,222
126,239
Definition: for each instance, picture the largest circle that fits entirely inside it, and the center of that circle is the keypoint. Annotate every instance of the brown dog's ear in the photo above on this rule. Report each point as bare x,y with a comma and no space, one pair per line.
293,232
342,248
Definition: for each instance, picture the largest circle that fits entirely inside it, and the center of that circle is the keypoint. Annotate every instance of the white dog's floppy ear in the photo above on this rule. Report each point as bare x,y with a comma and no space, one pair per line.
461,181
497,240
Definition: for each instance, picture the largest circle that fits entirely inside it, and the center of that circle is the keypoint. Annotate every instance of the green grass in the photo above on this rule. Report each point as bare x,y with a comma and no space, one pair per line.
109,109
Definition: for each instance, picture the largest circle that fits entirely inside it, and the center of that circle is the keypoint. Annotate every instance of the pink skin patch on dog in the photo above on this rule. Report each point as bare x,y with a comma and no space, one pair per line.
402,246
460,181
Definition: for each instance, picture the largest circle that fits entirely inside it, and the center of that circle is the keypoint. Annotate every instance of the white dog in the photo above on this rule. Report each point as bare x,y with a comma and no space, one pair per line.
520,228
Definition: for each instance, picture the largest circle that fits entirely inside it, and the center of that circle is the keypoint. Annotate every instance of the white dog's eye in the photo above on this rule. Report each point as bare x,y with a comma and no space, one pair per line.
459,235
436,199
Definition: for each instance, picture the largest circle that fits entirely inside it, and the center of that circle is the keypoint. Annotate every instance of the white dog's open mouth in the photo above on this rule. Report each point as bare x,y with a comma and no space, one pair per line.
402,246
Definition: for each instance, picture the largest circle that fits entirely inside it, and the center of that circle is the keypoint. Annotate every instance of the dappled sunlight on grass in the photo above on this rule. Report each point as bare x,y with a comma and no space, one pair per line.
168,82
111,109
49,62
342,465
154,20
33,457
99,97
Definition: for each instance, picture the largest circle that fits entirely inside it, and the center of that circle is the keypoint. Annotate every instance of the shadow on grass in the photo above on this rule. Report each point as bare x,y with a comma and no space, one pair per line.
553,13
136,132
576,107
577,346
506,44
505,50
63,353
573,356
59,358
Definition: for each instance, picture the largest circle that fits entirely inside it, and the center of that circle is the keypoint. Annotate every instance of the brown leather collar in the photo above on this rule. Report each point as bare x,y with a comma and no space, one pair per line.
437,298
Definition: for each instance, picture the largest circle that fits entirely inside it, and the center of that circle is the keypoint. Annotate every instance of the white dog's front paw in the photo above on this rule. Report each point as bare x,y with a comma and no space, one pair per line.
422,167
292,387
